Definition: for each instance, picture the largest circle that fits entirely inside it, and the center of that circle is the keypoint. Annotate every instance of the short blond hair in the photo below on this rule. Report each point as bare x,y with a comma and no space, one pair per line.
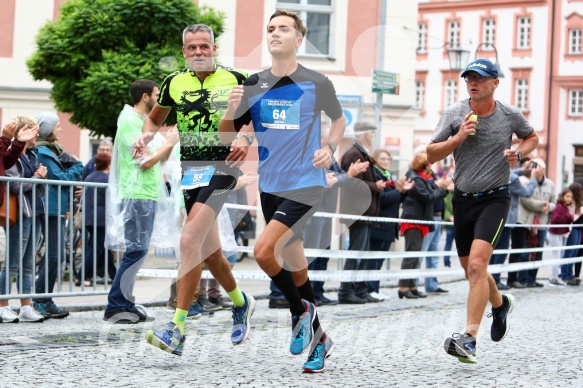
25,120
22,121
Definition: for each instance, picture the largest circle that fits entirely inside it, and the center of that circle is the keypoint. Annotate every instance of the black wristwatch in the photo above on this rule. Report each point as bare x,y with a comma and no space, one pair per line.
248,137
519,155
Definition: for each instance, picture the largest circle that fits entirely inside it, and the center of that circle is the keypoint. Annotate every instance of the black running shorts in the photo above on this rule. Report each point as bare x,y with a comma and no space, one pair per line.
481,218
292,208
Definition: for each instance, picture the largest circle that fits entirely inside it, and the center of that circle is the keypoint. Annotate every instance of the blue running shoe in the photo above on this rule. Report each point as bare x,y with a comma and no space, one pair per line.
316,362
167,338
242,320
302,329
193,312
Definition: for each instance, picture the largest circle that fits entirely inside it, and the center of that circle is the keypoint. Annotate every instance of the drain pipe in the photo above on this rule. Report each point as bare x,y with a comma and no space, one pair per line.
551,70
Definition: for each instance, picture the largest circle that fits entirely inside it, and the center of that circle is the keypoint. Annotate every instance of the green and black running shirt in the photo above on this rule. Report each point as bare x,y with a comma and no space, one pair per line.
199,109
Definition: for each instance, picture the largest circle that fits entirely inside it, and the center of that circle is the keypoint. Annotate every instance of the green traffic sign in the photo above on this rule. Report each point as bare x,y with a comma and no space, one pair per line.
385,82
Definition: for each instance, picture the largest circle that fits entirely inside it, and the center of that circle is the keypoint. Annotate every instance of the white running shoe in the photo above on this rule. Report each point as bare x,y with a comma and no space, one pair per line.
29,315
377,295
8,316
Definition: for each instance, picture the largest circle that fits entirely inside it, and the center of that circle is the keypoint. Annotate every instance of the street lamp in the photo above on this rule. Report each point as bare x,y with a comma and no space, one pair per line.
458,58
500,73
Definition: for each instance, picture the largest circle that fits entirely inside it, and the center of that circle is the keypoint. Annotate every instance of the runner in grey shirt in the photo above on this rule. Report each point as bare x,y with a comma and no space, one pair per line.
479,133
480,161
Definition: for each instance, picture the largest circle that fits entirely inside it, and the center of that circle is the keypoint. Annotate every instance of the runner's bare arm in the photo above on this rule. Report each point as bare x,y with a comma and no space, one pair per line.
323,156
240,146
526,146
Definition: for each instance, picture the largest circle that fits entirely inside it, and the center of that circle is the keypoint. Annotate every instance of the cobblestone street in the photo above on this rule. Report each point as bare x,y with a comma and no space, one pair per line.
392,343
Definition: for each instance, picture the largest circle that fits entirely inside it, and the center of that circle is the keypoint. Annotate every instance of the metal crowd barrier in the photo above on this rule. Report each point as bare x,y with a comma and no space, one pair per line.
70,239
74,241
364,275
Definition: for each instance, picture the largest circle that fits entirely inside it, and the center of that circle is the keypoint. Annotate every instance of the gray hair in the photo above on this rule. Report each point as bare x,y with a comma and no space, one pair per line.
196,28
106,142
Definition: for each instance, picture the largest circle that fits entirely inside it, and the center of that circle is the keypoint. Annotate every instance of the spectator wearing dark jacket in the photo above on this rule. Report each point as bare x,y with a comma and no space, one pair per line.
418,205
383,234
94,215
105,146
360,197
431,241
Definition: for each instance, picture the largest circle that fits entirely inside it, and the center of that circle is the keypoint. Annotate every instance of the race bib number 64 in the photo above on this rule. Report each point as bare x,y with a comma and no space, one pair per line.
280,114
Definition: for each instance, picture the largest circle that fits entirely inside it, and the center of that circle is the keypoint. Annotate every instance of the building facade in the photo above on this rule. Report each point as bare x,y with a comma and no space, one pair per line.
537,44
342,43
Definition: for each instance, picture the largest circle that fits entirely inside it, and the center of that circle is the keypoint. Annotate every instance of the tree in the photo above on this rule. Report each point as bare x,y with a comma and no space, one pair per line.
97,48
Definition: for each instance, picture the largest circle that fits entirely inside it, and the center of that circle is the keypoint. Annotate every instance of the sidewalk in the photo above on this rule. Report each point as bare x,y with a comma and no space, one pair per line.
398,342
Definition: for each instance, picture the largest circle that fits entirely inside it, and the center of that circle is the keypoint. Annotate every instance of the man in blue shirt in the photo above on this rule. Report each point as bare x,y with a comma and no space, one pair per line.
283,104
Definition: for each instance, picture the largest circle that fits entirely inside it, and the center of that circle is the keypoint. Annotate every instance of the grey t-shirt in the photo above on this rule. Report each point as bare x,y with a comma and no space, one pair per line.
479,161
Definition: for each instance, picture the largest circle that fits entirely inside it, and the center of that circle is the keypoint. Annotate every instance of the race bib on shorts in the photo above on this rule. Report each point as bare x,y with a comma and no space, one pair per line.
196,177
280,114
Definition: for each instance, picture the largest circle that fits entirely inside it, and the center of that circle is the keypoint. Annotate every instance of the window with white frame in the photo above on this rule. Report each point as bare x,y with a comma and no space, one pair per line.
488,33
576,103
419,94
319,18
575,41
450,92
523,34
521,94
422,38
453,34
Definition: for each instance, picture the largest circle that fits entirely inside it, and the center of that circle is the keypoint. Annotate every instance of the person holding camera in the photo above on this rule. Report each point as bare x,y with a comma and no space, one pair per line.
61,166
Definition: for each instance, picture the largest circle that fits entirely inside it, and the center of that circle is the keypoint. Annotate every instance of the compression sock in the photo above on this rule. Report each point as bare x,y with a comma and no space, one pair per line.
307,292
179,319
237,297
285,282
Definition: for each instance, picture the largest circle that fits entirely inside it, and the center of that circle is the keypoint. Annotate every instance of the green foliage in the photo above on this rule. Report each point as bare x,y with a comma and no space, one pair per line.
97,48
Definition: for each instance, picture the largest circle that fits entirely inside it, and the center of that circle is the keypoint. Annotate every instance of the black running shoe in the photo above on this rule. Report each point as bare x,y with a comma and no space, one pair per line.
462,347
500,323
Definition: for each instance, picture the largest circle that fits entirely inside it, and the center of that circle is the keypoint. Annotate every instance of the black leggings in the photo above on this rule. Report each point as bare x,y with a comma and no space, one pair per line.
578,265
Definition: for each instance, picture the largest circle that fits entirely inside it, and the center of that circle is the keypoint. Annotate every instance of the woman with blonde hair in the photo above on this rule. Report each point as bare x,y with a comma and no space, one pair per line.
19,260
